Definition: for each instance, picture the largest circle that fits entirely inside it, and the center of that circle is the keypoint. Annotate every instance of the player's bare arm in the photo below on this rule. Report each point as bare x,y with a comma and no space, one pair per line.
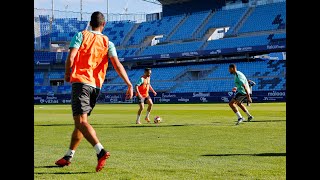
123,74
247,93
152,90
69,63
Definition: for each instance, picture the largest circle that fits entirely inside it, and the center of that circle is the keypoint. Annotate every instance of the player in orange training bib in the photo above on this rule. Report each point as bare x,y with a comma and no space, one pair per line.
142,92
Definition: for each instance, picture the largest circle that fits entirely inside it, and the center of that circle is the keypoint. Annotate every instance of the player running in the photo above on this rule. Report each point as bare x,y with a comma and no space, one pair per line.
86,67
142,92
243,92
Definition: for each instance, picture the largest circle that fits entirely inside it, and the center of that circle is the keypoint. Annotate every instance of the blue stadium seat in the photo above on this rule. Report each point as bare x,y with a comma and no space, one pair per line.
64,90
223,18
42,89
189,27
56,75
270,17
38,78
172,48
129,52
243,41
269,75
159,27
117,30
44,56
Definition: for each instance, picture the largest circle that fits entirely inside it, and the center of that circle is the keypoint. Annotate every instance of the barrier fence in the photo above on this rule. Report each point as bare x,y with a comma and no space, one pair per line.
196,97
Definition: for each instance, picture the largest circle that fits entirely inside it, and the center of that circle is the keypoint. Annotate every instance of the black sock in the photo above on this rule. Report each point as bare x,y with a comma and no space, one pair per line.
68,158
102,153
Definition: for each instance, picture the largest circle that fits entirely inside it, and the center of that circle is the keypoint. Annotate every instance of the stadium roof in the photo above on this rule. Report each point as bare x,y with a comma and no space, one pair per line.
153,1
167,2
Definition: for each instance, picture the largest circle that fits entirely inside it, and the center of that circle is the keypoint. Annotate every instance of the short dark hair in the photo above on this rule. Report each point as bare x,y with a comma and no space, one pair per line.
232,66
147,69
97,19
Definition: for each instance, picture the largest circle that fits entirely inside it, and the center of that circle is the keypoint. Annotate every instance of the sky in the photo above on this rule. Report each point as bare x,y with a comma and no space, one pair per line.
115,6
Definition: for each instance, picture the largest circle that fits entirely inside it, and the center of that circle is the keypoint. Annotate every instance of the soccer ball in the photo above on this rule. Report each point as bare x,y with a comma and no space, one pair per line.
157,119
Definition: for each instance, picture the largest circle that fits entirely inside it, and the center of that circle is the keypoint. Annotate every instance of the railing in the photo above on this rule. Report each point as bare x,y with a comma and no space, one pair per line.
251,3
85,16
264,2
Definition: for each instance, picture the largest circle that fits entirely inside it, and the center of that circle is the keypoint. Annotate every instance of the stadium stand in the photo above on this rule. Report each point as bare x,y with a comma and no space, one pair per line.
38,78
63,29
45,31
244,41
270,17
163,27
129,52
44,56
64,90
189,27
269,75
223,18
56,75
117,30
181,33
42,89
172,48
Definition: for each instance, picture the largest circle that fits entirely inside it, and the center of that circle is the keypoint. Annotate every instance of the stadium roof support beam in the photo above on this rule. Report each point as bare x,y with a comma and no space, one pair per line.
153,1
52,8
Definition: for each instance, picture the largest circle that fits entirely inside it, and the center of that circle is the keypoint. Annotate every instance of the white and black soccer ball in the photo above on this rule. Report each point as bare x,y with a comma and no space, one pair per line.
157,120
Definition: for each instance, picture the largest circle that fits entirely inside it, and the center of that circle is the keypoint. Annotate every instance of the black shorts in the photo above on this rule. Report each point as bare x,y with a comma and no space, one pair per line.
240,97
143,100
83,98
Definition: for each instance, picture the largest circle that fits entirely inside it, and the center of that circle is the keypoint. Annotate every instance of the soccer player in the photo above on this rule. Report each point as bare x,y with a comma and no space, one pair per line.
85,68
251,83
243,93
142,92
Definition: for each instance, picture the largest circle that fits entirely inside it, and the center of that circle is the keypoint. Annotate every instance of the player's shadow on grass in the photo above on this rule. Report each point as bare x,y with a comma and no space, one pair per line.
63,172
151,126
62,124
57,172
268,121
47,167
54,125
259,154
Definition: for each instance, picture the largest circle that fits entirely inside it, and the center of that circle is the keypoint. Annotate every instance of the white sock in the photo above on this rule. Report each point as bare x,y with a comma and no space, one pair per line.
248,114
70,153
138,118
98,147
148,113
238,114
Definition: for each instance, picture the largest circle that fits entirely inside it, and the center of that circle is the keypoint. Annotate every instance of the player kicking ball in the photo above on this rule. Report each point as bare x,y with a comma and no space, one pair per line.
142,92
243,93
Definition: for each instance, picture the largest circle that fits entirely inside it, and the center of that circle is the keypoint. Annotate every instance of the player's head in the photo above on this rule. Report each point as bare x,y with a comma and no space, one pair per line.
232,68
147,72
97,21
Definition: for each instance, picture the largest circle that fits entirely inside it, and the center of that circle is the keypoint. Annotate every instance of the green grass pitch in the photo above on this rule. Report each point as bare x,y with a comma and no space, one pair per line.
194,141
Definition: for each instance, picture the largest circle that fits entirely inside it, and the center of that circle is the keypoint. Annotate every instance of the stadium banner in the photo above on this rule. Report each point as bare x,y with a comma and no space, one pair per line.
224,51
52,98
196,97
